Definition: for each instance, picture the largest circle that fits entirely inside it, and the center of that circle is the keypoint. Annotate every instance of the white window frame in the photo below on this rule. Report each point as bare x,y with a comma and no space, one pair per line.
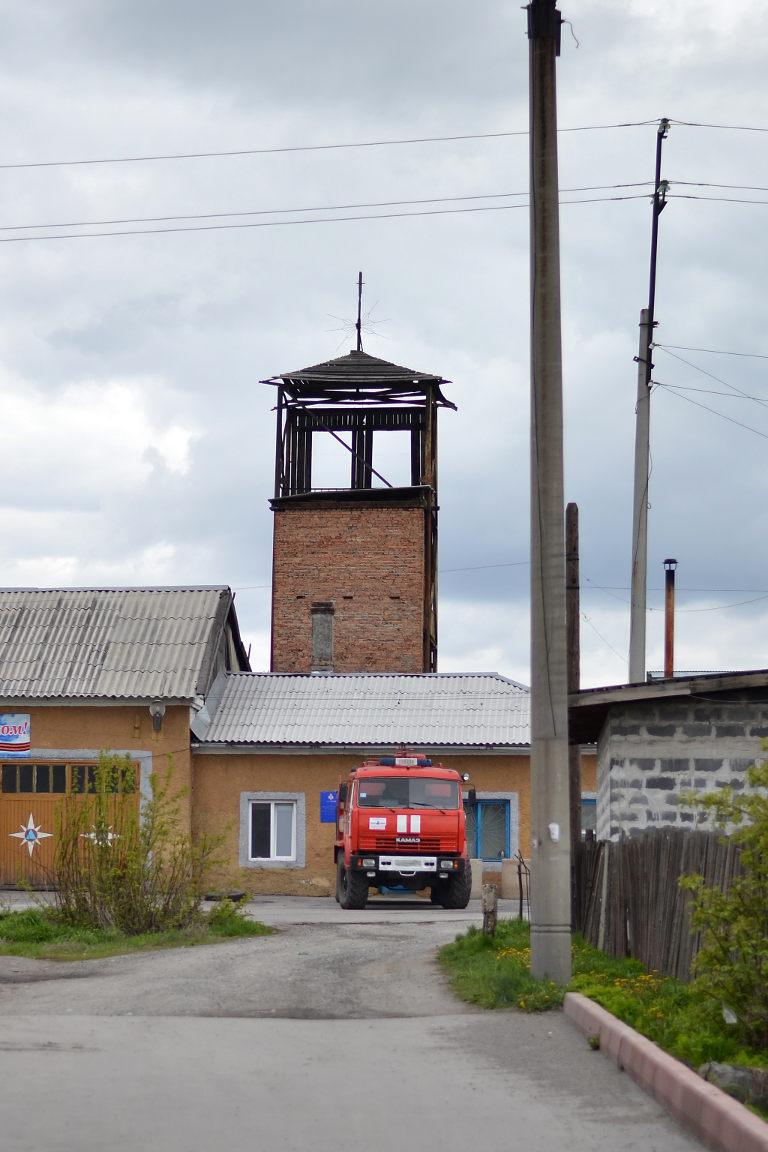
298,857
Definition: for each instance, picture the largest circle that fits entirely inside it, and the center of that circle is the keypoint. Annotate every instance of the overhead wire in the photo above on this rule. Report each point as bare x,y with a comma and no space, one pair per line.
295,211
711,351
697,403
724,127
711,375
143,159
180,225
295,222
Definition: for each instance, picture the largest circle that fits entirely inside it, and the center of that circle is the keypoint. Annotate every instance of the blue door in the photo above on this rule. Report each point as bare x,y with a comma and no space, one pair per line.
488,830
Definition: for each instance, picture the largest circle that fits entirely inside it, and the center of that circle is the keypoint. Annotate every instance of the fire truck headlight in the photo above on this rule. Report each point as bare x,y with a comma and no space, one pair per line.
451,865
369,863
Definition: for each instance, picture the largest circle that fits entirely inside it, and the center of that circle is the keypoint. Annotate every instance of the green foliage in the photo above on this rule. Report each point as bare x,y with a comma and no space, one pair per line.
40,934
32,926
731,966
495,973
122,862
227,918
672,1014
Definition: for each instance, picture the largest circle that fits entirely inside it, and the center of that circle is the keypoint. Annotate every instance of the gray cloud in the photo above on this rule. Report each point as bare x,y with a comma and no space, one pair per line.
114,350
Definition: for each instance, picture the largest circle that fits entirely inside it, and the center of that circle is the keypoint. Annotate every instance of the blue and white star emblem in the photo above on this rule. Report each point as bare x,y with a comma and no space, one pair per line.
30,834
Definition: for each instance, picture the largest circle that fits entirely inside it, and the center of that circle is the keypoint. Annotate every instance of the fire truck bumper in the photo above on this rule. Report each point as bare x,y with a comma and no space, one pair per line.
408,865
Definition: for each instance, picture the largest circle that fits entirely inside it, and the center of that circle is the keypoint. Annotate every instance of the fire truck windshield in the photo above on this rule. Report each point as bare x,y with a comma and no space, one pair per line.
408,792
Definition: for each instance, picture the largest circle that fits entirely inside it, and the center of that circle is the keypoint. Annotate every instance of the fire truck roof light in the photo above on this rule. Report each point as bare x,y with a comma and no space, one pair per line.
405,762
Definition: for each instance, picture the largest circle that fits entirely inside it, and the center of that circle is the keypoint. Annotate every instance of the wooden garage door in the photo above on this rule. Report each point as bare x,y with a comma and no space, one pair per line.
29,796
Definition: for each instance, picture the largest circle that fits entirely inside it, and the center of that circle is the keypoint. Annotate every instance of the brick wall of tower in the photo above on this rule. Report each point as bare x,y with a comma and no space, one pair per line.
369,563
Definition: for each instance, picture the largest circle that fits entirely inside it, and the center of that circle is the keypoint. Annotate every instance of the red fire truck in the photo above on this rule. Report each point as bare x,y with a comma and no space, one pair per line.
400,825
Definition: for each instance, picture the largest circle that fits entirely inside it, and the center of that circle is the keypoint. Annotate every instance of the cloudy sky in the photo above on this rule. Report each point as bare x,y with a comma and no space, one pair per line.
188,190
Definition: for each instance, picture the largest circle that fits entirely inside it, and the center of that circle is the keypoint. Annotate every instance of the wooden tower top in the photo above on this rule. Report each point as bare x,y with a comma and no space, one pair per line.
356,394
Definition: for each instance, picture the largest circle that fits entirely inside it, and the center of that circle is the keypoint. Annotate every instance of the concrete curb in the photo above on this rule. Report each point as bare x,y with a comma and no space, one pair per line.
715,1118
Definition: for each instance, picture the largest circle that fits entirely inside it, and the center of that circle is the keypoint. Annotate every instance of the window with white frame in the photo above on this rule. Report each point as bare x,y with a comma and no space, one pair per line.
272,830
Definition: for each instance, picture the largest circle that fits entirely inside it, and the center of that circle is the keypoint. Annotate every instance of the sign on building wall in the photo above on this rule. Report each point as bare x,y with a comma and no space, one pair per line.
328,807
14,735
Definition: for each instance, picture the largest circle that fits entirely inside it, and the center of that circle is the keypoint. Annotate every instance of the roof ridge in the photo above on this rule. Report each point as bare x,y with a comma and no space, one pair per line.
126,588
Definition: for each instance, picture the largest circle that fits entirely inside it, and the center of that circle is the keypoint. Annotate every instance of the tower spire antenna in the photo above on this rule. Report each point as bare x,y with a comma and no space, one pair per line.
359,324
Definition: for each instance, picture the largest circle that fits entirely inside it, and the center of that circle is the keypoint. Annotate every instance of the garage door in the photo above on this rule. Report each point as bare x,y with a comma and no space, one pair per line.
30,794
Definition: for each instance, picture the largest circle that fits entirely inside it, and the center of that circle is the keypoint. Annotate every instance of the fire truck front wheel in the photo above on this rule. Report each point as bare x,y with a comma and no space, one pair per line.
457,890
351,887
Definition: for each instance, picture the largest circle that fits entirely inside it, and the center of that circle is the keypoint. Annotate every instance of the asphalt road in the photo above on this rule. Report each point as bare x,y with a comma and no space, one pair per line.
336,1033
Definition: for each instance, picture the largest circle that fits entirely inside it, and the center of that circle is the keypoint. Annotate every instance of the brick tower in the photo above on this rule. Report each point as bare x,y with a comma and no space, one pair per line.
354,561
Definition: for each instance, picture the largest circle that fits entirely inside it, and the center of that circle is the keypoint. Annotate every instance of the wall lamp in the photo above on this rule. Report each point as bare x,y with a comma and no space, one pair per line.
157,711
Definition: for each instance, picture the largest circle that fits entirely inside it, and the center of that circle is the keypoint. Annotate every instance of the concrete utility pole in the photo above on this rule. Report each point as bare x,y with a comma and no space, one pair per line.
572,621
637,610
640,509
550,825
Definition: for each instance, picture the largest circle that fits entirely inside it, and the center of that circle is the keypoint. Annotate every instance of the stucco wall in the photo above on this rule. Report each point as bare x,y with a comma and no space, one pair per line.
78,734
221,781
651,752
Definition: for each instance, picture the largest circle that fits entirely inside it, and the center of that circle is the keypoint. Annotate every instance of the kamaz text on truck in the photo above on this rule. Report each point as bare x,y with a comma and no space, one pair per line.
400,824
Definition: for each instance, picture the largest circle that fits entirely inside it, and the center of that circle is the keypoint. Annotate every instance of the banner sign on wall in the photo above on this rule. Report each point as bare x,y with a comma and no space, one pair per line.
14,735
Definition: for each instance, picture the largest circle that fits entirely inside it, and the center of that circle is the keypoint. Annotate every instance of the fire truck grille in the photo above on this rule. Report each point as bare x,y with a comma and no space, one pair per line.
393,844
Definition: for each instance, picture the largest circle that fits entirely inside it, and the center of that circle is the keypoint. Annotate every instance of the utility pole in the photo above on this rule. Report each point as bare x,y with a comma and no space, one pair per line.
642,438
572,620
637,611
550,825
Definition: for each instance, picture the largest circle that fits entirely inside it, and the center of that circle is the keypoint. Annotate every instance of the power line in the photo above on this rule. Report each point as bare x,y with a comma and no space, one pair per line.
587,620
714,199
711,375
294,223
714,392
719,607
303,148
724,127
483,567
235,152
231,215
712,351
295,211
732,187
747,427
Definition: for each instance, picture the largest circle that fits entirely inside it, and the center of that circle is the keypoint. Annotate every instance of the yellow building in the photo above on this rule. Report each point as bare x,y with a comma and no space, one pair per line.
159,673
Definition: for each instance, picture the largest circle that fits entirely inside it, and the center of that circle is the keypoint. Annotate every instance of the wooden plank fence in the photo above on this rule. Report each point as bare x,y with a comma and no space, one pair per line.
628,900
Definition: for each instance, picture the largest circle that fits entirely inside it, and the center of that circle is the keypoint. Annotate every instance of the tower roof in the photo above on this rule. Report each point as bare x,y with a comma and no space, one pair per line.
358,376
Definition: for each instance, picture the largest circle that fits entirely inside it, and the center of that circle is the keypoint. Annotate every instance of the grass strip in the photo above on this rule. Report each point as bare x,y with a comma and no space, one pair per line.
37,934
494,972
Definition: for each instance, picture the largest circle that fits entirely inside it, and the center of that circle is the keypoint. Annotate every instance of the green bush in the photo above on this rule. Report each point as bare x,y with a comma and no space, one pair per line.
227,918
122,862
31,926
731,966
493,971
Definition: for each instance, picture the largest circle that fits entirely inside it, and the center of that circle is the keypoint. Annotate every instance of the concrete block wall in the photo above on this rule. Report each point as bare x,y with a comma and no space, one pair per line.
368,563
650,753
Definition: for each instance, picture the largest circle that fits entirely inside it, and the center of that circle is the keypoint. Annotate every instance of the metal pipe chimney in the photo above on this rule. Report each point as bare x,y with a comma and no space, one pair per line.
669,618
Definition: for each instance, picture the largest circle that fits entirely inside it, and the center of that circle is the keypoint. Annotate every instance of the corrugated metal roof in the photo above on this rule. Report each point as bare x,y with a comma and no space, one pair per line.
107,643
425,710
357,368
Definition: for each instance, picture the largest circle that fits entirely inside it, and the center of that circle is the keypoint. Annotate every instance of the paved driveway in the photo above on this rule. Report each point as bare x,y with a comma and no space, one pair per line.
336,1033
